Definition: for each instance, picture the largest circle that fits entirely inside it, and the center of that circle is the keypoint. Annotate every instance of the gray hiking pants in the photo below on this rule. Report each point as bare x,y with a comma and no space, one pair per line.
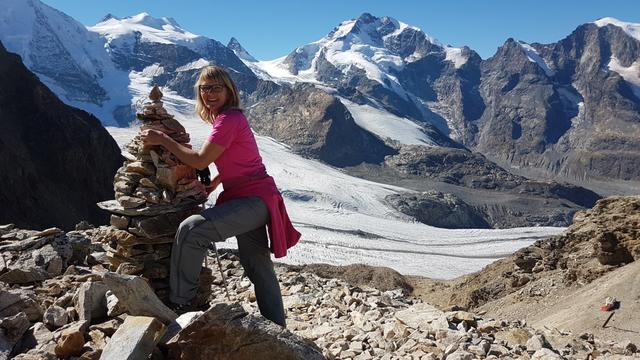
243,218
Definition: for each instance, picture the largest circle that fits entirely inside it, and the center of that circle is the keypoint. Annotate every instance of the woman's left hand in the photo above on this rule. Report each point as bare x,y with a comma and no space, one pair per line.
152,137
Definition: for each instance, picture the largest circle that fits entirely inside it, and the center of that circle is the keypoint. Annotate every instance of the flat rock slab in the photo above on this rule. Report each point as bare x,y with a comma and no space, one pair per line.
135,339
15,301
114,207
24,276
423,317
227,332
137,297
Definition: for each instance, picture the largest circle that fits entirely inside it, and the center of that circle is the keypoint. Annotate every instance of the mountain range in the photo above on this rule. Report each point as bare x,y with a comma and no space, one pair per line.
383,100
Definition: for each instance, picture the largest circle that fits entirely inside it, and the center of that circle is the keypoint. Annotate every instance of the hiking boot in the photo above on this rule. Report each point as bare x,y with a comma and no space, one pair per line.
188,307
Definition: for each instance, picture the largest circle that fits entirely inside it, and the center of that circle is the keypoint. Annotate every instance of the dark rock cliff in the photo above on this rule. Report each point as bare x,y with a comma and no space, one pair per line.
56,161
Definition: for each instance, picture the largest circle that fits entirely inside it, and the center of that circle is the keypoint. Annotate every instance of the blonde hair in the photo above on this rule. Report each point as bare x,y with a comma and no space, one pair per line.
219,75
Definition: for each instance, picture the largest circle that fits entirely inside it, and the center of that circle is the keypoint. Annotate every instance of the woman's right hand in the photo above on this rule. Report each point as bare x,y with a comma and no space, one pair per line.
152,137
213,185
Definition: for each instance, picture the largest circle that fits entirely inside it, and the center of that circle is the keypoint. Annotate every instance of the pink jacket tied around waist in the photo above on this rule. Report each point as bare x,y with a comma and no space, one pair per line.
282,234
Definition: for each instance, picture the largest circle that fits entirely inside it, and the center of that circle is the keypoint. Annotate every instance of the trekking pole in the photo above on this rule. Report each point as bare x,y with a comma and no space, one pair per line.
224,279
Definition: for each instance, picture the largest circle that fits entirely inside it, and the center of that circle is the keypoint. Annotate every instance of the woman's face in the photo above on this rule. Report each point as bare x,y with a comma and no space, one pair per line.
214,95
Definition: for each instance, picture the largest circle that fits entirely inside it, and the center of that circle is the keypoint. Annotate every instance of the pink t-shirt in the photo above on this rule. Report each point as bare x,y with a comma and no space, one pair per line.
240,162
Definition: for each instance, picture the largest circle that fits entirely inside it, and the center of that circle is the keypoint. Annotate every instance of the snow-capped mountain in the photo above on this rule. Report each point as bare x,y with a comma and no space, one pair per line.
141,40
379,47
67,58
95,68
381,59
536,108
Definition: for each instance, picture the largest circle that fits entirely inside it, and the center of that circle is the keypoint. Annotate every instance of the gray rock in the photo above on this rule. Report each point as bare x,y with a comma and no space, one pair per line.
460,355
423,316
162,225
55,317
119,222
37,337
316,124
114,306
13,302
11,330
438,209
545,354
91,301
229,332
114,207
537,342
135,339
35,205
137,297
24,275
575,125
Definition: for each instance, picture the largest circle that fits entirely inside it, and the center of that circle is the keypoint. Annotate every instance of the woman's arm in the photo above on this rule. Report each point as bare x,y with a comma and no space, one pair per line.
199,160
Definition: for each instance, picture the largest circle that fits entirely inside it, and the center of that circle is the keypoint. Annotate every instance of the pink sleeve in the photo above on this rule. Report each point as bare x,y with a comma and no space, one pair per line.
224,130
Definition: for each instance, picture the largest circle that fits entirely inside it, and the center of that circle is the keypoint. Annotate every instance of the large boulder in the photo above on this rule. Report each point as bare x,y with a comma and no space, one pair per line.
228,332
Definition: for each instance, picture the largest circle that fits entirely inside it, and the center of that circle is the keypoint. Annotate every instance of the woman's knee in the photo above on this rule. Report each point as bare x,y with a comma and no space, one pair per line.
191,222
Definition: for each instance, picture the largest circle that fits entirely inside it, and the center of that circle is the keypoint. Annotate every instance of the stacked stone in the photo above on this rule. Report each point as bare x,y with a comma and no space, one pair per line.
154,192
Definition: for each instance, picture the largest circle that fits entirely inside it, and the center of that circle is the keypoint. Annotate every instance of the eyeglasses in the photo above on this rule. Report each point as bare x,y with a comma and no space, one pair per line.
211,88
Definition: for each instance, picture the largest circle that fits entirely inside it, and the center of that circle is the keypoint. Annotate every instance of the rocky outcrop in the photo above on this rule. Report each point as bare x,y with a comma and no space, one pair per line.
556,202
600,240
317,125
438,209
56,161
611,227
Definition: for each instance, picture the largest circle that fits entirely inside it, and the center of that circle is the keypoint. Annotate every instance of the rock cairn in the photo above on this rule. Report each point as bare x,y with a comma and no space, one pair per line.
154,192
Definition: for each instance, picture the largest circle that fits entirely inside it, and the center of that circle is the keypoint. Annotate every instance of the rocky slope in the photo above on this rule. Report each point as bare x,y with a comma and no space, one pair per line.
480,192
77,308
56,161
592,260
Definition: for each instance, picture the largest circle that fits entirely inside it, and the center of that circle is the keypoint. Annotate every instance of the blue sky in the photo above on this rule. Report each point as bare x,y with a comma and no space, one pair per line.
270,29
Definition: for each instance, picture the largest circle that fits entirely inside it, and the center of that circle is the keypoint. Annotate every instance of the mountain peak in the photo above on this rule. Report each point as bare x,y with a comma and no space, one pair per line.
367,18
632,29
146,19
240,52
108,17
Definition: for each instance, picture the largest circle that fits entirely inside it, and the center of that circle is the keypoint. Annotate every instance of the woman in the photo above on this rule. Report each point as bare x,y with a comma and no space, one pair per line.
250,200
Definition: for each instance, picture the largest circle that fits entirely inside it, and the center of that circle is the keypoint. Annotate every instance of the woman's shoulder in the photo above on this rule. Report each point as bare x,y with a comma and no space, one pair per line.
232,114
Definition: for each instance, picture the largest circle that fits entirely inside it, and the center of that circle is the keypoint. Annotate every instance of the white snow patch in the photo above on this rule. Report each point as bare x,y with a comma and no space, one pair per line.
277,70
455,56
533,56
153,70
630,74
632,29
386,125
163,31
198,64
